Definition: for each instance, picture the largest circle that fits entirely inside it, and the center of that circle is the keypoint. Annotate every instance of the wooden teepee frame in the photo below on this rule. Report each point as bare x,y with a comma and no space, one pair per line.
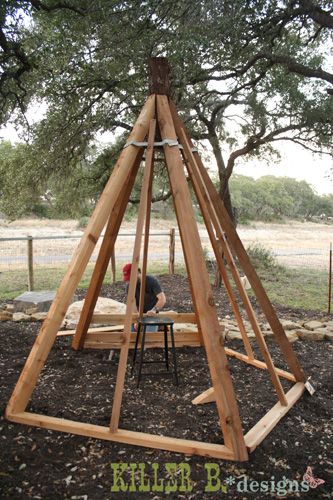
159,114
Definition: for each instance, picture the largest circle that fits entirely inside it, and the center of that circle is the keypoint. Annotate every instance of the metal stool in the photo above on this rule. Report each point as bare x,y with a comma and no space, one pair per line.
142,326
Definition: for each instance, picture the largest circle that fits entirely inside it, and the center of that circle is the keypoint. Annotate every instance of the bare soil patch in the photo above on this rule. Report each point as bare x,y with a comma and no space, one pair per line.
37,463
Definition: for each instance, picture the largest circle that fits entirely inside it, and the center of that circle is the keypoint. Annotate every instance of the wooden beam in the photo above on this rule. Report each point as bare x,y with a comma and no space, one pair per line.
153,340
204,197
208,395
104,256
207,214
150,158
189,447
260,430
202,293
244,260
259,364
57,311
120,318
118,394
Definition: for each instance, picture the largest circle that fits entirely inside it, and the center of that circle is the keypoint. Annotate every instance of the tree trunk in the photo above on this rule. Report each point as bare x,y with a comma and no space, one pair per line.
224,181
223,190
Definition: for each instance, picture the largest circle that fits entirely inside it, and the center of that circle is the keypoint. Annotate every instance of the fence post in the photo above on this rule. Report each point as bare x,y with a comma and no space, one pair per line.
330,280
113,265
30,263
172,243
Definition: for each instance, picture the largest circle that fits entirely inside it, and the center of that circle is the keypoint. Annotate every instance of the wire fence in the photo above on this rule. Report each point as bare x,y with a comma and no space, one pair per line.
40,262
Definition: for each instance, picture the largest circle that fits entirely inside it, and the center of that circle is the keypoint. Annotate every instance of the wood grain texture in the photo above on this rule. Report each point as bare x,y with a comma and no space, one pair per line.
142,213
146,440
51,325
239,250
201,289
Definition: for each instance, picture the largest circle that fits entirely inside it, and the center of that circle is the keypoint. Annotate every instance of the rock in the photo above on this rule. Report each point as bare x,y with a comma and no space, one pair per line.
265,326
313,325
329,335
267,333
230,335
292,336
5,316
103,306
38,301
31,310
290,325
21,317
310,335
38,316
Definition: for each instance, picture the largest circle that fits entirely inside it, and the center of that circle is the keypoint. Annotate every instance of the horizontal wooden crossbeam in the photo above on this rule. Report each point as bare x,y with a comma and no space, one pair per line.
260,430
144,439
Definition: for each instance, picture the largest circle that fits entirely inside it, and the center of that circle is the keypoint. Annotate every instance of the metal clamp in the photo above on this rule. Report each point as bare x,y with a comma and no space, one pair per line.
168,142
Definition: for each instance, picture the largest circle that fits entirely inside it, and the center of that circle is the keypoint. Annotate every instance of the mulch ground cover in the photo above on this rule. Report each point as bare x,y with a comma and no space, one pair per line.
37,463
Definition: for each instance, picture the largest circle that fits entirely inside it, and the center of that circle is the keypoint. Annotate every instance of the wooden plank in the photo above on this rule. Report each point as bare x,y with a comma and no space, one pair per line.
244,260
203,192
189,447
120,318
119,388
207,214
57,311
105,329
260,430
202,293
150,160
104,256
114,340
207,396
259,364
113,265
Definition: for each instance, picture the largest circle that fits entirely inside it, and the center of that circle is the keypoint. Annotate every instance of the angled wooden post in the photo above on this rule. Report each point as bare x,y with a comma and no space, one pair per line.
244,260
150,162
216,247
113,265
48,332
111,206
118,394
202,296
104,256
202,192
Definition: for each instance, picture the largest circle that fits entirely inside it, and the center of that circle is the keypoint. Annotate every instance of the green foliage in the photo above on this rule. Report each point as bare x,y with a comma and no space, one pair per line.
244,75
261,257
19,186
272,198
83,222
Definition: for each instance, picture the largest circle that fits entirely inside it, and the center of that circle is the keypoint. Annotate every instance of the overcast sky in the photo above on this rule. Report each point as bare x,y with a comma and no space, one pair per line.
295,162
298,163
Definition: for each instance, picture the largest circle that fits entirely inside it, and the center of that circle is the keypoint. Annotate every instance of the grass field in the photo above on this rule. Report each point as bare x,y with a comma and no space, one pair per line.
290,287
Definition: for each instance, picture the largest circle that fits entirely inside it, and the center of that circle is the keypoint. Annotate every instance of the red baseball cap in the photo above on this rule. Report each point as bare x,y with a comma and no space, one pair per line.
127,272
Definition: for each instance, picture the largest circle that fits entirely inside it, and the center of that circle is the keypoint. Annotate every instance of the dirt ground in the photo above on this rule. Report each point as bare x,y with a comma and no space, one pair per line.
43,464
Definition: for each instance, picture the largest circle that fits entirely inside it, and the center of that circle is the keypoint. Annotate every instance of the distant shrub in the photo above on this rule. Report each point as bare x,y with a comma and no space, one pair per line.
261,257
83,222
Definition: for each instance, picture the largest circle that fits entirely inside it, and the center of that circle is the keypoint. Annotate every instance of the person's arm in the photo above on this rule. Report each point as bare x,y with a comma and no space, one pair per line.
161,300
